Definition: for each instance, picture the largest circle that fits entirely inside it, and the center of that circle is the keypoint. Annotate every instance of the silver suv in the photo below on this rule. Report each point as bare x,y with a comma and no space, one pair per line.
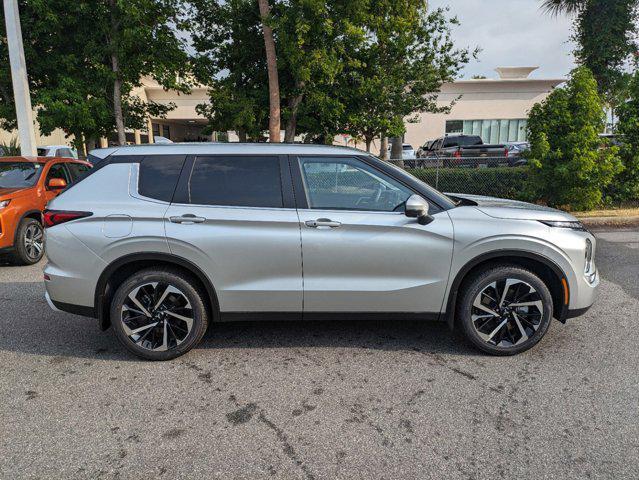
159,241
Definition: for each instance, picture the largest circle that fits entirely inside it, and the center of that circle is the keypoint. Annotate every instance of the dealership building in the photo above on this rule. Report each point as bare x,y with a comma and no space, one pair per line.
496,109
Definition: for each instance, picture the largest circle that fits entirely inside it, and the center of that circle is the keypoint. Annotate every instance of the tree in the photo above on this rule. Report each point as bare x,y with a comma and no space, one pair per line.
557,7
605,33
398,70
626,184
569,168
230,58
311,38
84,81
274,127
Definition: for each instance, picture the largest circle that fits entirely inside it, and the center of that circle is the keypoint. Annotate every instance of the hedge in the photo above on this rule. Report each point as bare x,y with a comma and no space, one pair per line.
503,182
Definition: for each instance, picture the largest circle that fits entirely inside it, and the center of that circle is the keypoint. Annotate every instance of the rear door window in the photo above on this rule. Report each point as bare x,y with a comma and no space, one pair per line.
159,175
239,181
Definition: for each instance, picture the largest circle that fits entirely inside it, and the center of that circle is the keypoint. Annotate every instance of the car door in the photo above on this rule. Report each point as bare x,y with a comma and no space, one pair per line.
361,253
234,216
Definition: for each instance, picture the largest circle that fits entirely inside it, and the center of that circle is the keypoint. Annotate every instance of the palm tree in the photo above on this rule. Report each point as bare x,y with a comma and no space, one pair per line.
273,79
558,7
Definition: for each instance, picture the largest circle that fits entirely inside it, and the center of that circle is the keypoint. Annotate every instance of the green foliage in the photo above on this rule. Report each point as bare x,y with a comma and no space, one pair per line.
397,71
605,31
230,58
625,187
69,47
503,182
10,149
359,66
571,169
606,35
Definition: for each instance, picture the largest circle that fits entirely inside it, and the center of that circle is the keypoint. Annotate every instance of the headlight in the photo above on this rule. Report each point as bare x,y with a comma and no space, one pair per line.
564,224
4,203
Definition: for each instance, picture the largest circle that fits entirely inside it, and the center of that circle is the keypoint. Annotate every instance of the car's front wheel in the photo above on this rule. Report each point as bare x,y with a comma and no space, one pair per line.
159,314
505,310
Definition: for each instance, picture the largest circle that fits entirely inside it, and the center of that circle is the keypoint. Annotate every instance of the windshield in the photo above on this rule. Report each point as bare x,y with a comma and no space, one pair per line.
19,174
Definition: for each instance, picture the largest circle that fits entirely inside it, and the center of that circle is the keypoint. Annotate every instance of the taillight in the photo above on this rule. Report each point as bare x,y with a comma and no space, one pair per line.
506,151
457,154
56,217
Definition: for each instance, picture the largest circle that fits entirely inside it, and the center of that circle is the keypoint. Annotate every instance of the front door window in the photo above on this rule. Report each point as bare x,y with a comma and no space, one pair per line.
350,184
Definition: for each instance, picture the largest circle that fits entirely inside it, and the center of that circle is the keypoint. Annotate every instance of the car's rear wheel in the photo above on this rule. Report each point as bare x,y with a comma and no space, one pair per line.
159,314
505,310
29,247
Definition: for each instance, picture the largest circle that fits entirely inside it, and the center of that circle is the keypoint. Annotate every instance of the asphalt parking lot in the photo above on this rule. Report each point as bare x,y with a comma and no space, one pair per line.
322,400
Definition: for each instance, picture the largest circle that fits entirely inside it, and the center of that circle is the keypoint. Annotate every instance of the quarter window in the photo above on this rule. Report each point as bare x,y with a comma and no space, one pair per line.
239,181
349,184
159,175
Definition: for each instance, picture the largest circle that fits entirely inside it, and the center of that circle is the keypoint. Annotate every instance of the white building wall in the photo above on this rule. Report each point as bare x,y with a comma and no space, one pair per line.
480,100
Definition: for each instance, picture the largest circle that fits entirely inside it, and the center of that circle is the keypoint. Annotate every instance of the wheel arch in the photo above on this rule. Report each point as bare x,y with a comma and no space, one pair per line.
552,274
35,214
122,268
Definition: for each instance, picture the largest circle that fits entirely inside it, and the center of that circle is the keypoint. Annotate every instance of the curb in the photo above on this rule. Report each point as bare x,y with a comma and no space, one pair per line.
600,223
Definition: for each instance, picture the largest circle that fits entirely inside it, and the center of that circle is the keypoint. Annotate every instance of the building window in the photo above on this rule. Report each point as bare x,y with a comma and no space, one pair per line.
454,126
491,131
156,129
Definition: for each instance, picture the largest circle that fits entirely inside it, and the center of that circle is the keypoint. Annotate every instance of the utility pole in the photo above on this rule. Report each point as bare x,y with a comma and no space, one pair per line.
22,98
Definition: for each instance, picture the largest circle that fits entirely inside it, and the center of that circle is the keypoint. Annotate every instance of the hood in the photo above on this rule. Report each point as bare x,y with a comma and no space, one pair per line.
513,209
11,192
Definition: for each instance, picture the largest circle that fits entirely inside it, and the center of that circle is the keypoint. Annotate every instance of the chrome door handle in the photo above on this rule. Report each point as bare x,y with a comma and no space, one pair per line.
322,222
187,219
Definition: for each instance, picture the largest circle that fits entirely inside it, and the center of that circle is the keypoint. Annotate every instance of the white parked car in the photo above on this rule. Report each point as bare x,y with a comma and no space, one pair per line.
408,152
63,151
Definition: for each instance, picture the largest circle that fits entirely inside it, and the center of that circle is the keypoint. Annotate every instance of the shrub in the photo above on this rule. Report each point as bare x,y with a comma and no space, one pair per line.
570,169
501,182
11,149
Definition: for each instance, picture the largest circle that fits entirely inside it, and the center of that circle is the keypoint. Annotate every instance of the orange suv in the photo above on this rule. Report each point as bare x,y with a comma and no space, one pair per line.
26,185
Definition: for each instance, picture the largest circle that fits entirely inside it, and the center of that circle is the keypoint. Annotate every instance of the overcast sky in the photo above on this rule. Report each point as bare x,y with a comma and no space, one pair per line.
511,33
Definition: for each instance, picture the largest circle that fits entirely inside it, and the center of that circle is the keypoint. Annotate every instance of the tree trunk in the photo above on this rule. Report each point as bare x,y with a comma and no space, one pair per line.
396,151
241,135
368,140
383,149
117,82
117,102
274,121
293,106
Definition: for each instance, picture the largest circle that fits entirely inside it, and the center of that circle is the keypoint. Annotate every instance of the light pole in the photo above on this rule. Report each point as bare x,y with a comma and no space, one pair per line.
22,98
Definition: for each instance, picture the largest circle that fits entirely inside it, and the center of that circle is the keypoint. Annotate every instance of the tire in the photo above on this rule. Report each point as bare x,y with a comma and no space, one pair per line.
29,246
165,327
501,326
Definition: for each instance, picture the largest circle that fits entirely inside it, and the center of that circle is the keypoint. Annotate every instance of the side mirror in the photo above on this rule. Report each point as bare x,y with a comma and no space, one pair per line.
417,207
57,184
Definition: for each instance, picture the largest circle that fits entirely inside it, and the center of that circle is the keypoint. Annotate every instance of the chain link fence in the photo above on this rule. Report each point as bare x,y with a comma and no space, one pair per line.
490,176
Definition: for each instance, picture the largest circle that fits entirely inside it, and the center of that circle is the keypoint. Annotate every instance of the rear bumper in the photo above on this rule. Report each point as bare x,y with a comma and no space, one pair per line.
69,308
